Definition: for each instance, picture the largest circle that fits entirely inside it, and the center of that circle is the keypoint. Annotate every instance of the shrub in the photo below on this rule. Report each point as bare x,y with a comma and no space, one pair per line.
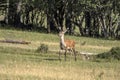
114,53
42,48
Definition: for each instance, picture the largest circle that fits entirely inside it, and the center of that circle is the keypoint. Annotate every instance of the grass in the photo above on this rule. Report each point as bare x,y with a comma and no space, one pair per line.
22,62
92,45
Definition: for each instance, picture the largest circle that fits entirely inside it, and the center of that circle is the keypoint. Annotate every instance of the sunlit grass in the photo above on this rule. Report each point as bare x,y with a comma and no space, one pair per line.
16,63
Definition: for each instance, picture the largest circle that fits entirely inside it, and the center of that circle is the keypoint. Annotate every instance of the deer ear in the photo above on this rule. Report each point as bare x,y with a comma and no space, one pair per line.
66,30
59,28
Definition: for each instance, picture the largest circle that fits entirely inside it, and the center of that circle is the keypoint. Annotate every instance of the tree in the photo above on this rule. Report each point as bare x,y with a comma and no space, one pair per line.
94,18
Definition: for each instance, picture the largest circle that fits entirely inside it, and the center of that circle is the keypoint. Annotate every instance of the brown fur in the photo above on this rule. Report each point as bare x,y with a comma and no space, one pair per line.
70,44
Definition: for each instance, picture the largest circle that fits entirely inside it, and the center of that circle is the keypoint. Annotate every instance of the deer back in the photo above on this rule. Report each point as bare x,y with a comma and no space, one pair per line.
70,43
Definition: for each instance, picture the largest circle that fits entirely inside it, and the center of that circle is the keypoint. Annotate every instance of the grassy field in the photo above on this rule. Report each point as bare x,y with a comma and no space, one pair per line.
22,62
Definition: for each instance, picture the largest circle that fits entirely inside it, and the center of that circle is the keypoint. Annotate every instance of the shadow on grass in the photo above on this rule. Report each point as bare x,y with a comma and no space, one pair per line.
51,59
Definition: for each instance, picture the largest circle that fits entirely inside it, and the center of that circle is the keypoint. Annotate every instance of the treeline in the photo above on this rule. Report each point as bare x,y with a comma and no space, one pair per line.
93,18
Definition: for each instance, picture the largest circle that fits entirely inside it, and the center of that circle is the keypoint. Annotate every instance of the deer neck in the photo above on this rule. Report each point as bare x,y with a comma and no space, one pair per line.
62,42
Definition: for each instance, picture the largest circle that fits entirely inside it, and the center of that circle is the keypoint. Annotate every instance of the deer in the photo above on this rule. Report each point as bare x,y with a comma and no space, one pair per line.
66,44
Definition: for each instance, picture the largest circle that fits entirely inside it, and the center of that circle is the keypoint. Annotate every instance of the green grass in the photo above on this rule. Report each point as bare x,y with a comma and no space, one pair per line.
22,62
92,45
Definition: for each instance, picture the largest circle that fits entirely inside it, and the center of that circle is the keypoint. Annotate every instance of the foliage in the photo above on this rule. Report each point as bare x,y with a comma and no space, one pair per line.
94,18
114,53
43,48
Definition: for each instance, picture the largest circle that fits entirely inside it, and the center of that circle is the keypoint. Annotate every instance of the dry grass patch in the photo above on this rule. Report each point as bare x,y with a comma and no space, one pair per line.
47,71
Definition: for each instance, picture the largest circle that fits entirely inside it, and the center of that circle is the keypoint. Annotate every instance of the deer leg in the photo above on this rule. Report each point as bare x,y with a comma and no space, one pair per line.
71,53
59,55
65,54
74,54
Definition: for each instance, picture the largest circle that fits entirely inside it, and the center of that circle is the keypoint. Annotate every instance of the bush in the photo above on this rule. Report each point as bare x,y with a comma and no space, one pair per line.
42,48
114,53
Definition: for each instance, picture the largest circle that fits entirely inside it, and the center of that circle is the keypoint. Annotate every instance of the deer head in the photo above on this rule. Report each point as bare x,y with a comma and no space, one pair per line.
61,32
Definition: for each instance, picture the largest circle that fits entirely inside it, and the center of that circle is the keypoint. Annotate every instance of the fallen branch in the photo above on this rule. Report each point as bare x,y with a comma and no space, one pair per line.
87,55
15,41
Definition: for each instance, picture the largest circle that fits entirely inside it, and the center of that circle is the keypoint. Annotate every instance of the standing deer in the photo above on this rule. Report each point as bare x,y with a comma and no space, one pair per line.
66,45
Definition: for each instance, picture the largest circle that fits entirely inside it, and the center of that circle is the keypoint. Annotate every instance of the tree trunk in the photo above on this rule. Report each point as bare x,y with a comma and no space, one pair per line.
7,12
104,27
69,25
17,21
87,23
79,24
